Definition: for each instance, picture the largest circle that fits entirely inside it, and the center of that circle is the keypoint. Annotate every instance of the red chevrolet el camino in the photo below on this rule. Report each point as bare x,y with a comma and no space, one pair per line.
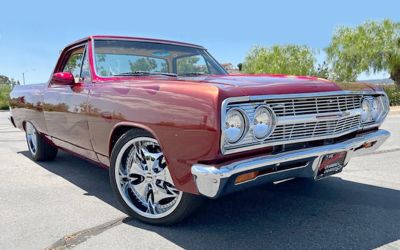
172,126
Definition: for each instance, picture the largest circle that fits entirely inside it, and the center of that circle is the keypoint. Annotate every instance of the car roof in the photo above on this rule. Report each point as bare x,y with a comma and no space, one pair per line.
140,39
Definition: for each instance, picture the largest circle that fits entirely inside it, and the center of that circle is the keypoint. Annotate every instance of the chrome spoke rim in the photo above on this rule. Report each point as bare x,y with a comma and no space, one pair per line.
31,138
144,180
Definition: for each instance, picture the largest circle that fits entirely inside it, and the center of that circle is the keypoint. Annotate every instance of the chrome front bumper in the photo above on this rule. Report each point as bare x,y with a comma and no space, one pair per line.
212,181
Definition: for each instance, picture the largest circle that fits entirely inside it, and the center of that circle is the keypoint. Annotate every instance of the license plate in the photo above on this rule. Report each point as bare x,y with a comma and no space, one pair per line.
331,164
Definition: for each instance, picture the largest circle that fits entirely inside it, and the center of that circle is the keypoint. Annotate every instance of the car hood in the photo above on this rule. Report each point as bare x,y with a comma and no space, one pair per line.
279,84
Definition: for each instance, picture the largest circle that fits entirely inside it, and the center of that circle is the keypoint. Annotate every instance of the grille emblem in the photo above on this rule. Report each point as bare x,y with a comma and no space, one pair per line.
335,116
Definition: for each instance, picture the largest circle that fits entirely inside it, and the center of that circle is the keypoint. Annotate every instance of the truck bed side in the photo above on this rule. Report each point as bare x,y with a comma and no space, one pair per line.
26,103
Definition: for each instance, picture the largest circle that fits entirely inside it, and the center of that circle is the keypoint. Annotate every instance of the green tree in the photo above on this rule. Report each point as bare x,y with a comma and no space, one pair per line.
287,59
322,70
4,95
190,64
370,47
143,64
6,84
4,80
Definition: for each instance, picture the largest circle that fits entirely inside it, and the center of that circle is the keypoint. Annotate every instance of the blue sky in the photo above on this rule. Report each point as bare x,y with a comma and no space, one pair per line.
33,32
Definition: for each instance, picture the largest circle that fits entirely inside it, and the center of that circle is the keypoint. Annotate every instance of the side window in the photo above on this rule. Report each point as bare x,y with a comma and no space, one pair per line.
191,65
85,73
74,63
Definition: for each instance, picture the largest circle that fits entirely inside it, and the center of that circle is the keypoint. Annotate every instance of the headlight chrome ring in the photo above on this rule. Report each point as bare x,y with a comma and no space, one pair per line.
264,122
373,109
377,108
235,125
366,109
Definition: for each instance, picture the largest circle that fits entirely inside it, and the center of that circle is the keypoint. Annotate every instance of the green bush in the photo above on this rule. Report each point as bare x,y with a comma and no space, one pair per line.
4,96
393,93
280,59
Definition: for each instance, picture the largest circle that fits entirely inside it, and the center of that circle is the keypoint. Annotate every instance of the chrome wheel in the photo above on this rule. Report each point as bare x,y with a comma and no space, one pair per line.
31,138
143,179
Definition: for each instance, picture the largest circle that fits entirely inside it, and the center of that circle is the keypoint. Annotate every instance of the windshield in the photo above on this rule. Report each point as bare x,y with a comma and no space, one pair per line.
127,58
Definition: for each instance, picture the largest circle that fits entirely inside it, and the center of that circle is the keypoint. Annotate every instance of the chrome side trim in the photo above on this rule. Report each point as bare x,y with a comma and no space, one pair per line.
294,119
210,180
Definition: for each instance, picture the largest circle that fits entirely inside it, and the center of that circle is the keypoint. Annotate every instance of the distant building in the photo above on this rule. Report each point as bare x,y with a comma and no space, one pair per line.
230,68
227,66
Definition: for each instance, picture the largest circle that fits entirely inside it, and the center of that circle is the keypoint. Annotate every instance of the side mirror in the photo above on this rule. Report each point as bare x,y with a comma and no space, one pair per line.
63,78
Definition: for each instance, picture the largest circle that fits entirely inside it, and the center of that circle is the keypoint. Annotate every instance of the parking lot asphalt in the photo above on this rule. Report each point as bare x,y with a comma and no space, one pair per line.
68,203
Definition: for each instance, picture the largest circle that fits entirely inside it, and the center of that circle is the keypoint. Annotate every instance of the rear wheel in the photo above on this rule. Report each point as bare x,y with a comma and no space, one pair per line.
140,177
39,148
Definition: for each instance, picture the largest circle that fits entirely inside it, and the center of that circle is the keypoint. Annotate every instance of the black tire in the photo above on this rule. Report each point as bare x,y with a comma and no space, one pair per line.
187,204
43,150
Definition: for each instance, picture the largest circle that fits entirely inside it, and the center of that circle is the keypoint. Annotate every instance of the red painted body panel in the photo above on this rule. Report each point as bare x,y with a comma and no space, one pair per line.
183,115
65,112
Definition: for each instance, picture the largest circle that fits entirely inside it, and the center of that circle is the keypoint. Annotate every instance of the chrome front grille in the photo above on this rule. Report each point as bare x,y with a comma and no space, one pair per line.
314,129
301,119
314,105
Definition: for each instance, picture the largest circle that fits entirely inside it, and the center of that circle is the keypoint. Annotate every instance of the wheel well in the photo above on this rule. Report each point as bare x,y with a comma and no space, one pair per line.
118,132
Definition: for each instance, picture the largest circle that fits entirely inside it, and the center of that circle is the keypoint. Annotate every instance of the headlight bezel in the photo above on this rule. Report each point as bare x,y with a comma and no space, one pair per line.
366,113
245,125
377,111
382,102
272,117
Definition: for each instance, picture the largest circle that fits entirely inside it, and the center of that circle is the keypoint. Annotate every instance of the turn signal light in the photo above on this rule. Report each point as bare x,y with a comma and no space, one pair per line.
246,177
368,144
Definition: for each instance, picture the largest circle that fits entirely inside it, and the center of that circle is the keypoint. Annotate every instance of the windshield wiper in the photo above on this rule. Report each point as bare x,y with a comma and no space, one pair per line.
145,73
193,74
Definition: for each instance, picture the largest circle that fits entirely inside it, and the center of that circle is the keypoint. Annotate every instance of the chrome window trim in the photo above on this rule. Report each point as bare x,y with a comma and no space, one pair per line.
285,120
216,63
149,40
94,59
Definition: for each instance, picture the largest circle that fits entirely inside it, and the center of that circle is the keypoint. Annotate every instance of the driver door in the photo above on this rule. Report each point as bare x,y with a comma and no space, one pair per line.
65,106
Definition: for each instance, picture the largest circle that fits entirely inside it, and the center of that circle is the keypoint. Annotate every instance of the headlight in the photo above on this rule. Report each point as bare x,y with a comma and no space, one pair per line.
264,122
366,110
235,125
373,109
376,108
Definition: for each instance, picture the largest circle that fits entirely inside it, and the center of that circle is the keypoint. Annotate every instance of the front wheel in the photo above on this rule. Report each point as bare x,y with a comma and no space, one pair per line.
140,177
